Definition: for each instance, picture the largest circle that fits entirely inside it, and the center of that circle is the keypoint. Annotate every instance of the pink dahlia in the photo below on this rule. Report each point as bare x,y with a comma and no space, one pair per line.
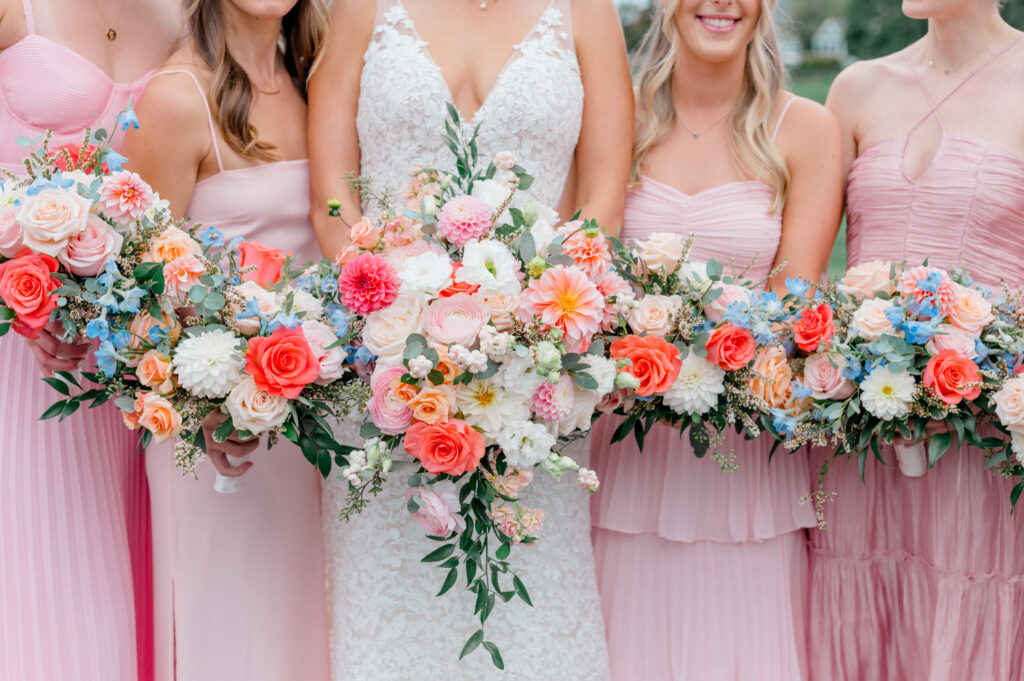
553,401
125,195
463,219
928,283
592,254
565,298
368,283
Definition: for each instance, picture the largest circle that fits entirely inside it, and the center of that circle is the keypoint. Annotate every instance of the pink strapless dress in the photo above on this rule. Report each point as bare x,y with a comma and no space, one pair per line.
239,578
75,590
702,573
923,578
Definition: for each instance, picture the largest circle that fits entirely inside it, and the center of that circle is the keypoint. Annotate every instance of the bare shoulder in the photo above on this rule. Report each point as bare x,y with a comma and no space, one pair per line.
353,19
171,107
808,128
12,23
594,21
864,79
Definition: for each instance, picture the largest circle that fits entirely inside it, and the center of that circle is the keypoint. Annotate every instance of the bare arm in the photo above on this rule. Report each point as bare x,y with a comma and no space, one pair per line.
843,99
606,135
333,139
810,142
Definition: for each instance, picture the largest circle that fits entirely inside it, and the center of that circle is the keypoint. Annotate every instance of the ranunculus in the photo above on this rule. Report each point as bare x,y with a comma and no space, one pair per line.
731,347
125,196
949,336
952,377
661,252
1009,403
254,409
867,279
282,363
825,380
180,276
653,315
50,218
463,219
171,245
10,232
154,371
970,311
813,326
456,319
332,361
25,286
159,417
655,362
87,252
773,376
268,262
438,511
731,293
450,446
389,413
365,234
869,319
387,330
430,405
368,283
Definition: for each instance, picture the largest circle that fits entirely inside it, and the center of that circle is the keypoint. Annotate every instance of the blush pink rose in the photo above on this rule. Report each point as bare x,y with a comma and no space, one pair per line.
867,279
52,217
332,361
398,256
268,262
825,380
731,293
438,511
502,308
970,311
870,321
89,251
653,315
661,252
455,319
389,413
463,219
10,232
949,337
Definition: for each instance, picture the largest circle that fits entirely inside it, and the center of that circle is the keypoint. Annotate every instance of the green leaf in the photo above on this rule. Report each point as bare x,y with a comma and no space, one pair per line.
70,378
699,440
214,301
521,591
289,431
197,294
413,504
938,446
369,430
495,655
527,247
503,551
623,430
324,462
70,408
585,381
1015,493
473,643
224,430
714,269
58,385
449,581
439,554
54,409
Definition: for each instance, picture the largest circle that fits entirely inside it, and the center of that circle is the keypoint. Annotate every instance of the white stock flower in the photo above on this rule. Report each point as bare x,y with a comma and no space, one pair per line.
887,394
484,404
428,273
519,376
525,443
603,370
491,266
209,364
697,387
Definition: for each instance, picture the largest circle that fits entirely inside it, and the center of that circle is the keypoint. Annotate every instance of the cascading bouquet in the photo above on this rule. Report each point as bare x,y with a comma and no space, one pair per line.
911,347
484,321
701,347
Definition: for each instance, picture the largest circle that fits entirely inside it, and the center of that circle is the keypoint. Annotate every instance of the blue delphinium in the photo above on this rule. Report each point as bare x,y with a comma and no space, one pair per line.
797,286
97,328
211,237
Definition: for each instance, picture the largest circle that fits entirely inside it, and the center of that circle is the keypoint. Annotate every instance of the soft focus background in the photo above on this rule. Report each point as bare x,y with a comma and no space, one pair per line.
820,37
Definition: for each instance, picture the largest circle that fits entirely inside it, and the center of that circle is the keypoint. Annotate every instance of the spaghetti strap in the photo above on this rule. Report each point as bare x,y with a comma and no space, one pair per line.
30,18
782,116
209,114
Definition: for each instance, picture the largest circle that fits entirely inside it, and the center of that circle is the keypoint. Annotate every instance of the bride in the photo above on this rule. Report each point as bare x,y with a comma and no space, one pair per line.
518,69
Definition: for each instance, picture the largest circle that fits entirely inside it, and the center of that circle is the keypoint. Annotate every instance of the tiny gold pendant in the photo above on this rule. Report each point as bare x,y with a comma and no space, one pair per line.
111,34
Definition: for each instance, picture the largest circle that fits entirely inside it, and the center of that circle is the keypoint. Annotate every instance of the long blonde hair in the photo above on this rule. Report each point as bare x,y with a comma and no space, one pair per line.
303,32
750,141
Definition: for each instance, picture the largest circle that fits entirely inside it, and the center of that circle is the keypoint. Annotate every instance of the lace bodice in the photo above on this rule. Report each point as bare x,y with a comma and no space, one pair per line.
534,107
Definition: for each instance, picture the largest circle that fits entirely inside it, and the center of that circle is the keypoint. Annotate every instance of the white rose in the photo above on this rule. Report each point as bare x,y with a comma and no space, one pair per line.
661,252
653,315
266,301
50,218
305,304
867,279
1009,403
870,321
332,361
386,331
255,410
428,273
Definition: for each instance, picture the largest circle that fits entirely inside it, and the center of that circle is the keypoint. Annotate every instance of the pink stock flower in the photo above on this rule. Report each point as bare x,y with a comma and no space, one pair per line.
125,195
401,231
553,401
566,299
463,219
438,511
368,283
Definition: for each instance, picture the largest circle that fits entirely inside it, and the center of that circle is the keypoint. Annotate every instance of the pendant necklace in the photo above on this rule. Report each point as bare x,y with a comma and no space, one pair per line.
111,32
707,129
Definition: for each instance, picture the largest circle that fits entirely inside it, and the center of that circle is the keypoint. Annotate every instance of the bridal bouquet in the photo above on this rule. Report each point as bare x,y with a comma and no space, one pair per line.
702,348
484,321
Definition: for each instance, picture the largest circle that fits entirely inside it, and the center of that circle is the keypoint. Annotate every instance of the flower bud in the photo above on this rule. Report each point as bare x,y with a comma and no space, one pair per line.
626,380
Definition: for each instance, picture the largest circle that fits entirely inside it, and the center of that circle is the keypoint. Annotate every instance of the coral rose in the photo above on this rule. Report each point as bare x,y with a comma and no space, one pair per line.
159,417
368,283
450,446
952,377
268,262
731,347
655,362
458,286
282,363
773,376
813,326
25,286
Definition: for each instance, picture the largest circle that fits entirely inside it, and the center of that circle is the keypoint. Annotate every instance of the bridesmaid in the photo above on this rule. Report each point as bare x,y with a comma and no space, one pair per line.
702,573
238,578
928,572
75,589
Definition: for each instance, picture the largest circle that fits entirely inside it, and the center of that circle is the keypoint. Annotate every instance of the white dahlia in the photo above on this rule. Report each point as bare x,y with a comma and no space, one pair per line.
525,443
209,364
887,394
491,266
697,388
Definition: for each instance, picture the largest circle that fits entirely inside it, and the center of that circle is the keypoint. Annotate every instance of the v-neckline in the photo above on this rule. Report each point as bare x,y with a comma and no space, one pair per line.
425,47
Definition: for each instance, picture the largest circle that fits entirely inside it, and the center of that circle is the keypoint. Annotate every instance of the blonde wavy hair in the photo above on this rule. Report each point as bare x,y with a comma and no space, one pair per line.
750,142
303,32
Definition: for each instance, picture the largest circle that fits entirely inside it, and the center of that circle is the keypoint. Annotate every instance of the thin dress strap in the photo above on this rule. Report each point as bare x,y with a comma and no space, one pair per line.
782,116
209,114
30,18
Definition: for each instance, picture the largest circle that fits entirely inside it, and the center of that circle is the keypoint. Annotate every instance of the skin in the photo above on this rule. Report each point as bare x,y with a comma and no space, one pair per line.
470,66
146,35
707,82
173,149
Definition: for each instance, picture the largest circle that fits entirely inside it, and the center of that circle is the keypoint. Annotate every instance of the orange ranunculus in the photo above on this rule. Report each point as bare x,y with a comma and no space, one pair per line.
268,262
25,286
450,446
731,347
282,363
952,377
655,362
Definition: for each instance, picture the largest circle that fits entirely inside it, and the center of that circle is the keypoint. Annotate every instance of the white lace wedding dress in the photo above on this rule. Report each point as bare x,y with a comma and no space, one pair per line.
387,625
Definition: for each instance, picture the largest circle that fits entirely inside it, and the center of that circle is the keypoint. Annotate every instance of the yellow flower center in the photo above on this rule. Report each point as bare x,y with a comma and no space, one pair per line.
887,390
569,302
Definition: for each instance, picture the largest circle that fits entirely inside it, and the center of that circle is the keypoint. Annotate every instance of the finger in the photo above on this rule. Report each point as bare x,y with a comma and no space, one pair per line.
239,448
73,350
47,342
213,420
224,467
48,364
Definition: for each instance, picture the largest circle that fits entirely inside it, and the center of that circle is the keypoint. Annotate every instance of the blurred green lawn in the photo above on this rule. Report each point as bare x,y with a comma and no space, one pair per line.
814,85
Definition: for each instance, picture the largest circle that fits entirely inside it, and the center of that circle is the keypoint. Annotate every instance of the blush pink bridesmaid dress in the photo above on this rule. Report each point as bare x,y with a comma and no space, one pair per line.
75,589
239,578
923,578
702,573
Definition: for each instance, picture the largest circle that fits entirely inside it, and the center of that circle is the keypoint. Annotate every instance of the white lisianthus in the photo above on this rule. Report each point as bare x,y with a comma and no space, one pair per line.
255,410
584,405
603,370
304,304
209,364
697,387
428,273
518,376
525,443
887,394
494,194
485,405
491,266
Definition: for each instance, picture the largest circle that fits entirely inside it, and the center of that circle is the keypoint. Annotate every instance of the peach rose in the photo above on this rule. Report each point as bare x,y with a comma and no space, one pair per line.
661,252
731,293
143,323
154,371
430,405
824,379
450,446
51,218
1009,403
947,336
950,375
773,376
813,326
387,330
87,253
653,315
25,286
159,417
267,261
10,232
455,319
867,279
870,321
731,347
970,311
365,234
502,308
254,409
654,362
171,245
404,393
180,276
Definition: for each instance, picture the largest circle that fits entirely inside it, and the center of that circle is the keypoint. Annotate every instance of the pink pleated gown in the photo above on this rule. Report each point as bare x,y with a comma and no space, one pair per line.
239,578
702,573
923,578
75,591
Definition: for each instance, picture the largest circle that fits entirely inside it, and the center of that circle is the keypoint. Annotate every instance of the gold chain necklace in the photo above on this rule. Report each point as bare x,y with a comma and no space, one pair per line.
111,33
